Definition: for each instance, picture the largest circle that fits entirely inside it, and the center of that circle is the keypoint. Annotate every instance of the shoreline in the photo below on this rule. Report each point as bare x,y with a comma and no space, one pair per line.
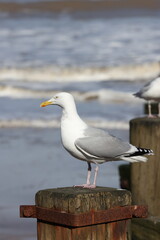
130,72
73,6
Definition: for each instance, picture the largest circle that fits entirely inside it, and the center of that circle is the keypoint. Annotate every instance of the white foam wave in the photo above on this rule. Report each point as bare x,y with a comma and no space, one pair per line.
20,92
37,123
55,74
106,96
102,95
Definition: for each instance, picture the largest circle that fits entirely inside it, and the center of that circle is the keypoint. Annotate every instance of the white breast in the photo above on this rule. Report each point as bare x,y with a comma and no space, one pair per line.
71,129
153,91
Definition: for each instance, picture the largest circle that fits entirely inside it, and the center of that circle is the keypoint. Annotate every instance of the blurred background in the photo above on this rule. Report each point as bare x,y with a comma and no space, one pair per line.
100,51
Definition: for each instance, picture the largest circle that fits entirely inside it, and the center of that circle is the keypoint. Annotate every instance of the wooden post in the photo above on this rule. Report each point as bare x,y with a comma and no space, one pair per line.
79,201
125,176
145,177
78,214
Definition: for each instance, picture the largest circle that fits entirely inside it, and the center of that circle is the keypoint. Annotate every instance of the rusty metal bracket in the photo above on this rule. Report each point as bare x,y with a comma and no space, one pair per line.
83,219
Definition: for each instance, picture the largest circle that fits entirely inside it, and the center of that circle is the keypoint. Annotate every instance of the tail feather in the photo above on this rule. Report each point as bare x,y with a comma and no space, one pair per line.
141,151
137,94
134,159
137,156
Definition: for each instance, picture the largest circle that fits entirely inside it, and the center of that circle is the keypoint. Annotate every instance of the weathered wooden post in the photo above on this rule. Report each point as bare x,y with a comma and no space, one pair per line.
145,177
83,214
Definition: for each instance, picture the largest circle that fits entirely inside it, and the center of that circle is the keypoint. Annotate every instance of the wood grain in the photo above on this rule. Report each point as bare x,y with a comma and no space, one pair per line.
145,177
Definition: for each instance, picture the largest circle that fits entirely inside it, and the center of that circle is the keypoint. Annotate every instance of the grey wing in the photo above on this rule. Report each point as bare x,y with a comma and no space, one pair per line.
102,147
95,132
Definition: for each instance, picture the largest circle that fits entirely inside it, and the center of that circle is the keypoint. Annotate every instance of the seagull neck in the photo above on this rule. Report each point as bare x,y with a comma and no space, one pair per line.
70,111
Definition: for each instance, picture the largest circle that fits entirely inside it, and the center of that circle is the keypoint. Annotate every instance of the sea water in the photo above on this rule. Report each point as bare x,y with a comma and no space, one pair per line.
102,59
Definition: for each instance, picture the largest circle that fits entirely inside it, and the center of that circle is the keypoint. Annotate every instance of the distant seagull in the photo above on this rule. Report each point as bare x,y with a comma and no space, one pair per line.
151,91
91,144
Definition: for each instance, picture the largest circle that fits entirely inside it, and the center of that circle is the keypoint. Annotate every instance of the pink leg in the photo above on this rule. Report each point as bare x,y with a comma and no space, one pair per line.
87,184
95,179
150,111
88,177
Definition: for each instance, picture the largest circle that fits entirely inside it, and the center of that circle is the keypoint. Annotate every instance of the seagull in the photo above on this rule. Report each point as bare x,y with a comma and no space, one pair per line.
91,144
151,91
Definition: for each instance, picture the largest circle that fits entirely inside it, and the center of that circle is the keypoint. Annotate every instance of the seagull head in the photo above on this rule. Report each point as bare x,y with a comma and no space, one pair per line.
61,99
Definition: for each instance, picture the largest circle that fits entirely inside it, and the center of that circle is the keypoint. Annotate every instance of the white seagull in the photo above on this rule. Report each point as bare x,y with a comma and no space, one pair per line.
91,144
151,91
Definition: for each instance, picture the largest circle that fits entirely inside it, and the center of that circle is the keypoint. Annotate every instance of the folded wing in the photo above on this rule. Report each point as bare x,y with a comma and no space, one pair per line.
103,147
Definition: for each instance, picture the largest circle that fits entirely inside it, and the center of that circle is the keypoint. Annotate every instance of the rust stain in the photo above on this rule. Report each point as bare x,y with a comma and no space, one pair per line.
118,230
83,219
28,211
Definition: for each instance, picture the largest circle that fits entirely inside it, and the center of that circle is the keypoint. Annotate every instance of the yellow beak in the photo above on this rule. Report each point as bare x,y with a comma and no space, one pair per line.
44,104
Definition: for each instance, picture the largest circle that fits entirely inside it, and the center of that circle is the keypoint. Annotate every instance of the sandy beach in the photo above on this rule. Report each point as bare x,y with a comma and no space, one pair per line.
72,6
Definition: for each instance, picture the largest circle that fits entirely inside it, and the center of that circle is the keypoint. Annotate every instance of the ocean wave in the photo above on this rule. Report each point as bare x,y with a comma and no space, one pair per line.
20,92
102,95
105,95
38,123
54,74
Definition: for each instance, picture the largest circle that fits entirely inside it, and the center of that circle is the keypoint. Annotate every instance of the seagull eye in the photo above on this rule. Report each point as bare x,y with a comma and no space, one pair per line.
56,97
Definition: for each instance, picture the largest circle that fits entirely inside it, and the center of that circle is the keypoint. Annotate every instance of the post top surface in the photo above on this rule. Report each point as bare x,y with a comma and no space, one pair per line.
71,199
73,191
155,120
